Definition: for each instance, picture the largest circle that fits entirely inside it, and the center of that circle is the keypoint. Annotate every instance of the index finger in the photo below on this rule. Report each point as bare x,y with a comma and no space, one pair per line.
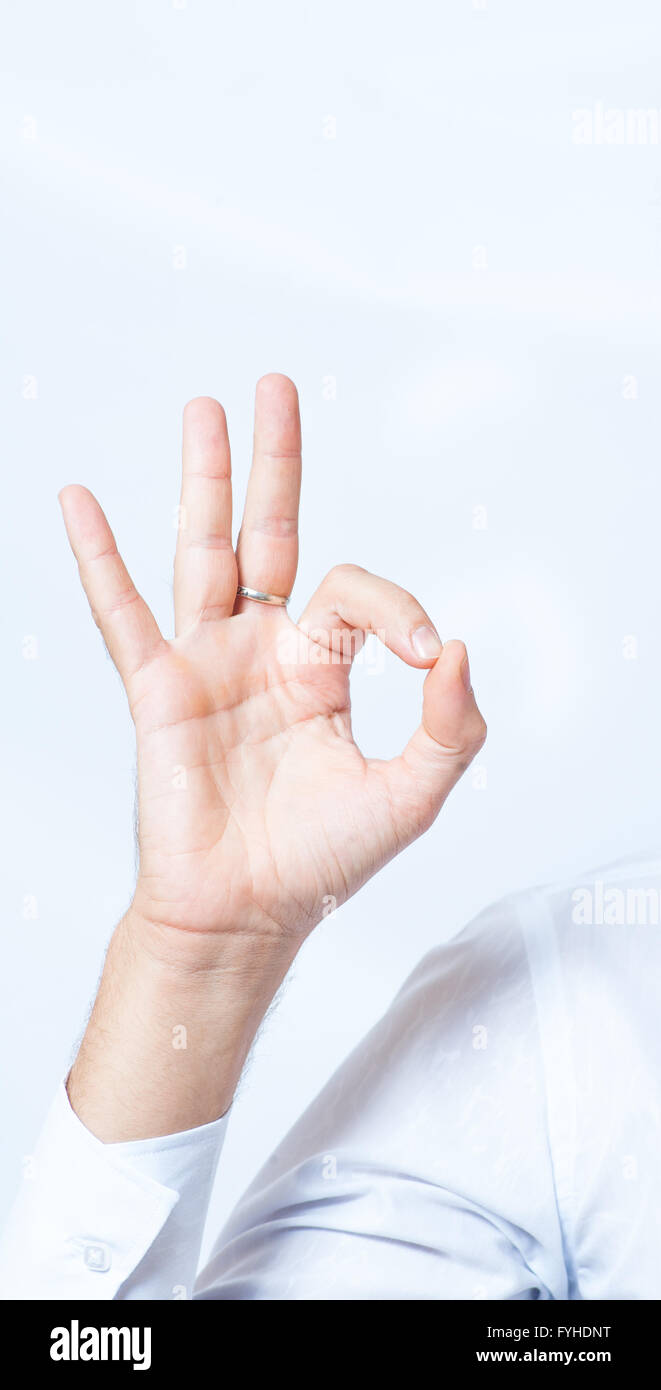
129,628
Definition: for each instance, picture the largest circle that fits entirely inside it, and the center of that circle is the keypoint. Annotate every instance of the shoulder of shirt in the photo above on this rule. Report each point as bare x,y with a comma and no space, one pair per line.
524,926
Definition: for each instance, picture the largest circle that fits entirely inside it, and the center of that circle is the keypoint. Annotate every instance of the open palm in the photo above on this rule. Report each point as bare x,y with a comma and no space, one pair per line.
257,811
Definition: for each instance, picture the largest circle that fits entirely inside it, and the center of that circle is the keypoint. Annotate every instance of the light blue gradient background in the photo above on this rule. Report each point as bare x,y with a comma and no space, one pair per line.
203,126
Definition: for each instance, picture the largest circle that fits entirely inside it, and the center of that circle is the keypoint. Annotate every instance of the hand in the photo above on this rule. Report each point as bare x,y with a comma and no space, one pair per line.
255,804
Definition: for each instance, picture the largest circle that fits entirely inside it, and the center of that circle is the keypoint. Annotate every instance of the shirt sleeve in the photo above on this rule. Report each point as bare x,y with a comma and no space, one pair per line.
422,1171
104,1221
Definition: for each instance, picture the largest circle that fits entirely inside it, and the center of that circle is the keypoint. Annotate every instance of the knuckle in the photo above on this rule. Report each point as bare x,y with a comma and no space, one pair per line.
343,572
478,734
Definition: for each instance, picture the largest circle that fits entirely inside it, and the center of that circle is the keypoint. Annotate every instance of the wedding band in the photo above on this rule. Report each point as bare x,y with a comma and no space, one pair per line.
259,597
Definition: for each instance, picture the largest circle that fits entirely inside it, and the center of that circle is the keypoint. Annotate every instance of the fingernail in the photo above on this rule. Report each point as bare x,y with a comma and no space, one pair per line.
426,643
466,673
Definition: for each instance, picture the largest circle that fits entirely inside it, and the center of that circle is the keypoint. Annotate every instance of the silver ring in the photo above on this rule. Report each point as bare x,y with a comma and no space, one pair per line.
259,597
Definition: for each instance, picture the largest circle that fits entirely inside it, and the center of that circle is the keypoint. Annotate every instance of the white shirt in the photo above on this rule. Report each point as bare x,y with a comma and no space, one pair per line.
497,1135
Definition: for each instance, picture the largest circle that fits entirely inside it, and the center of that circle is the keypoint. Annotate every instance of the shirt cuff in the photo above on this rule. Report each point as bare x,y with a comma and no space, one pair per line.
103,1221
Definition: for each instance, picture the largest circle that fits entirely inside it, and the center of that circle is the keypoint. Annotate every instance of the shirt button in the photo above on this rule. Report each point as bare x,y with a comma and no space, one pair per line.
97,1257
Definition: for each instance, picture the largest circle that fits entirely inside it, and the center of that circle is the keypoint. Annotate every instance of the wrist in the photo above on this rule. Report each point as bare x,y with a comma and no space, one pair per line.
171,1028
232,951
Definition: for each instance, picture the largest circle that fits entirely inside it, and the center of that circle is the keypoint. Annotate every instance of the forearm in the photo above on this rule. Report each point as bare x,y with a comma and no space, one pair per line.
170,1030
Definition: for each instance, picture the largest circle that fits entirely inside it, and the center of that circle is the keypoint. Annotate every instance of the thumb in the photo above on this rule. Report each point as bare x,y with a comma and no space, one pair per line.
451,733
